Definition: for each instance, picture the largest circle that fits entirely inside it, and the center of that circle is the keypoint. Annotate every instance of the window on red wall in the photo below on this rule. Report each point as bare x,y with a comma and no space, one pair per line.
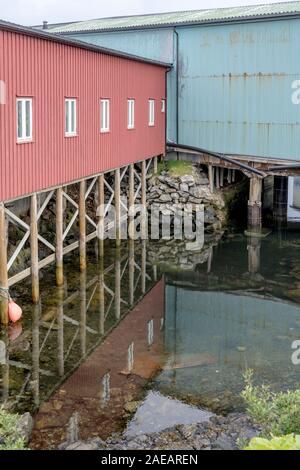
71,117
24,119
130,113
104,115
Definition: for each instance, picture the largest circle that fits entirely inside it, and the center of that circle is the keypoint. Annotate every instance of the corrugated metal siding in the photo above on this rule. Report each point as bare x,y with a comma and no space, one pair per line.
182,17
49,72
236,88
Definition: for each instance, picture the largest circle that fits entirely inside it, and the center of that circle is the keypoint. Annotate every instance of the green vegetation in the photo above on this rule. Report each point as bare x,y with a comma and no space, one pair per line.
277,413
290,442
8,432
176,168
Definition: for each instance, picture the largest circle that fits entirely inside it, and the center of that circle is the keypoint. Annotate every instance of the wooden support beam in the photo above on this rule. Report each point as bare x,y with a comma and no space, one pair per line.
101,209
82,226
221,177
117,207
233,176
131,203
229,176
155,165
59,237
217,177
254,205
34,248
211,178
143,201
3,268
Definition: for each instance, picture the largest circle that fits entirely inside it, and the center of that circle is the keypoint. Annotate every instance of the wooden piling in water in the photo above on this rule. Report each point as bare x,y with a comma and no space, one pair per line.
82,226
254,205
118,285
59,237
34,248
3,268
211,178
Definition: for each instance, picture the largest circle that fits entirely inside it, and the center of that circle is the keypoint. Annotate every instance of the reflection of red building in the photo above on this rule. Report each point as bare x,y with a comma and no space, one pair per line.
99,389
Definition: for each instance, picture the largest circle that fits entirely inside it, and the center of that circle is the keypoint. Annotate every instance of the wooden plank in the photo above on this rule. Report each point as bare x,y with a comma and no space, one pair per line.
3,268
34,249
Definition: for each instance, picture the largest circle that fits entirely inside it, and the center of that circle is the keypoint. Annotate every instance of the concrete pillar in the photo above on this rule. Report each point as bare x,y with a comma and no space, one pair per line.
255,205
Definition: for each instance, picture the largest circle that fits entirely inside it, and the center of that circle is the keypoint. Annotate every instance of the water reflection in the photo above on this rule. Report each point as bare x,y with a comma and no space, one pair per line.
153,316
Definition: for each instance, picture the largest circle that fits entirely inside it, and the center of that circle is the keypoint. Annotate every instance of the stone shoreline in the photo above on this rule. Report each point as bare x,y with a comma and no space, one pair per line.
218,433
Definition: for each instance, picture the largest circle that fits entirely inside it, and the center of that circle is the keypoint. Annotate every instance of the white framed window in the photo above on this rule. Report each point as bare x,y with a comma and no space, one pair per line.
151,112
24,119
71,117
104,111
130,113
163,106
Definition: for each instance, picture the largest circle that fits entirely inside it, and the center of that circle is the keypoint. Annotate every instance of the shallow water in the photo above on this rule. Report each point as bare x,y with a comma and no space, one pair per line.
147,319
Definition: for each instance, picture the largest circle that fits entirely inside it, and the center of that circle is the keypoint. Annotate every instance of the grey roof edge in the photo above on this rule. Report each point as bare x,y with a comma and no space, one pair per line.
58,38
236,19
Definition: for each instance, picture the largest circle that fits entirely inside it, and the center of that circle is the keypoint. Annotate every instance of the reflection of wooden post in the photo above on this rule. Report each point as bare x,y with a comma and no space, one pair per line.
117,207
144,265
83,312
82,226
60,333
101,200
254,246
36,353
4,366
118,285
3,268
211,177
131,202
101,297
143,201
34,247
59,237
131,272
155,273
210,259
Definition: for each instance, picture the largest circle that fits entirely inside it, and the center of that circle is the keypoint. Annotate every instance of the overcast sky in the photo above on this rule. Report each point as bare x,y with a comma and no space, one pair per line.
30,12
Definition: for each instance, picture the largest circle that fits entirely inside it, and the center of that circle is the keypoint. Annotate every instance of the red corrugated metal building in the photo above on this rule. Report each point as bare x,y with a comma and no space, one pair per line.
38,73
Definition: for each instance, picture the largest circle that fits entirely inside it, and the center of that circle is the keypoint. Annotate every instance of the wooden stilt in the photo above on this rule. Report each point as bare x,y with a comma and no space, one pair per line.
221,177
233,176
3,268
59,238
101,201
155,164
254,205
217,177
82,226
117,207
143,202
229,176
131,202
211,178
34,247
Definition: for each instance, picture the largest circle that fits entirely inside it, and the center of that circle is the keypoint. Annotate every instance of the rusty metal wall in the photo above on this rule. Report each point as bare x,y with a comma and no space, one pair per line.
235,90
48,72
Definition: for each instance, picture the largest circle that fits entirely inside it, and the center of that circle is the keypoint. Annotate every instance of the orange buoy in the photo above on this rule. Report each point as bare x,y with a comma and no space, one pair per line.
14,311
